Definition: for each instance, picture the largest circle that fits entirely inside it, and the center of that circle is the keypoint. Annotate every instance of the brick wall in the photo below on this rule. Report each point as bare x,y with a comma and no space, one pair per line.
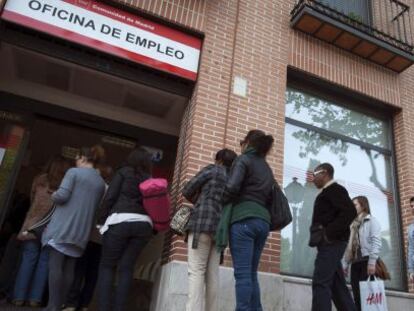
236,44
261,59
345,69
252,39
190,13
404,145
205,120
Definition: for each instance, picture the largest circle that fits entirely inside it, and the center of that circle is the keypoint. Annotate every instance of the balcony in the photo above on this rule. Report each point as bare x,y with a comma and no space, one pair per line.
377,30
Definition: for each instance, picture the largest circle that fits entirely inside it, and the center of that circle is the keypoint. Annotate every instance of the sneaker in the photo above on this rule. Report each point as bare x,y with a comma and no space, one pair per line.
69,309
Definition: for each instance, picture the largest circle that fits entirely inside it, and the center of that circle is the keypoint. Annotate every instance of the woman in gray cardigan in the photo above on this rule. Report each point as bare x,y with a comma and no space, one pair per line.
67,234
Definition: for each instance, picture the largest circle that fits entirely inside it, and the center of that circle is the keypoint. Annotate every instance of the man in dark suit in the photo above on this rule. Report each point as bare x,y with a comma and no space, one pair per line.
333,214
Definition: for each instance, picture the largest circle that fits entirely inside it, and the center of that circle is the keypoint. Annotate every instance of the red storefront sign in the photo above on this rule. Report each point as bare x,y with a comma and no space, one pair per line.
112,31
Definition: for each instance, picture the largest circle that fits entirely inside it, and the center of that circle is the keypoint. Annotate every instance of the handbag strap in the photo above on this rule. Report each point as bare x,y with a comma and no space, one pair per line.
45,220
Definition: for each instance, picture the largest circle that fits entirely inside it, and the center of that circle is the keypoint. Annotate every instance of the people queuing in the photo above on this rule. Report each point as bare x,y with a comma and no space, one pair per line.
31,279
67,233
126,229
231,200
87,267
249,191
206,191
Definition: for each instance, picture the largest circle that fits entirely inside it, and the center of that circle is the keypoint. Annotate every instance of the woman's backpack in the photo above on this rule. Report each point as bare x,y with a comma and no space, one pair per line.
156,202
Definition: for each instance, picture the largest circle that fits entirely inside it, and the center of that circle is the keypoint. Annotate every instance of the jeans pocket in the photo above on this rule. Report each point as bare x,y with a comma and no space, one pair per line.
238,229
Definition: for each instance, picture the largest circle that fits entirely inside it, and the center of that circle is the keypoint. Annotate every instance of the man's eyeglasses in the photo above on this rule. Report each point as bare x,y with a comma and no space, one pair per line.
318,172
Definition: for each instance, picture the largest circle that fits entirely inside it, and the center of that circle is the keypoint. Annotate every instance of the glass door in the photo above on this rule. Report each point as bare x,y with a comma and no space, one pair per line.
14,133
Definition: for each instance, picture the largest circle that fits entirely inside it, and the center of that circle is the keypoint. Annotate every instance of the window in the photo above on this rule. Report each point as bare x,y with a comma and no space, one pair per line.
355,9
359,147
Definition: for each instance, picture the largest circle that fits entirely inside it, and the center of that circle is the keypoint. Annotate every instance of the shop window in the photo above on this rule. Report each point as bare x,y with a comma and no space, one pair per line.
359,146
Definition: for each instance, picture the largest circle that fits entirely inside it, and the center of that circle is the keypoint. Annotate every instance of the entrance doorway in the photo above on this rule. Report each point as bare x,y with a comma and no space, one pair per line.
50,106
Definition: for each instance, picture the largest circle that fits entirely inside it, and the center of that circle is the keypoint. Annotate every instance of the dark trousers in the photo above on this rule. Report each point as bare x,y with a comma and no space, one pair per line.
122,244
247,240
61,270
328,280
359,272
86,276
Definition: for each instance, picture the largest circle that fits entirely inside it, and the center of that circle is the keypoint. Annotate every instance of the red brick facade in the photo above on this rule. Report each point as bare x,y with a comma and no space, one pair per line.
253,40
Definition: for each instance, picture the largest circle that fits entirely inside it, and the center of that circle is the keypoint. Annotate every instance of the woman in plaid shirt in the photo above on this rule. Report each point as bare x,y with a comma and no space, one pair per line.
205,190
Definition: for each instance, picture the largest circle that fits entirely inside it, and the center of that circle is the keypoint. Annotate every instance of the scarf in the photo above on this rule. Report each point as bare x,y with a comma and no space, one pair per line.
354,248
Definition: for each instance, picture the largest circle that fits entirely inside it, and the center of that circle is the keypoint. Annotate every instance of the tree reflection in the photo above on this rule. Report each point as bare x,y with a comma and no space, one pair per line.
345,122
338,120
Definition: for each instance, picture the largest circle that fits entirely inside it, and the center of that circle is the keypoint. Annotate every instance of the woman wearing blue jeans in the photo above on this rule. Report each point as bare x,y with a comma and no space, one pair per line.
31,278
249,190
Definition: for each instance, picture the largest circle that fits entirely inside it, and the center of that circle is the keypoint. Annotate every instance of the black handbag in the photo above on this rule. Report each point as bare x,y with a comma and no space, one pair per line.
280,214
38,228
317,232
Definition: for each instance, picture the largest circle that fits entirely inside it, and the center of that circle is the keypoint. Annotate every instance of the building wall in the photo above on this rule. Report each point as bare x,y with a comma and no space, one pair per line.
189,13
342,68
261,59
253,40
203,127
236,44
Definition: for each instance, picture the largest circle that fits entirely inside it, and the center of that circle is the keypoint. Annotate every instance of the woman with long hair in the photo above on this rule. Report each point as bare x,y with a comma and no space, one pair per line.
206,191
67,233
363,248
249,190
126,229
31,278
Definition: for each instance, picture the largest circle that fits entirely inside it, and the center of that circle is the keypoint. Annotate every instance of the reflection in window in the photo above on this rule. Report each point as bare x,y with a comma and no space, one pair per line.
364,169
327,115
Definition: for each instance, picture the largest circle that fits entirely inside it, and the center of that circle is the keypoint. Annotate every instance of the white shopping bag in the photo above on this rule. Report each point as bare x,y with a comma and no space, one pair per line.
373,295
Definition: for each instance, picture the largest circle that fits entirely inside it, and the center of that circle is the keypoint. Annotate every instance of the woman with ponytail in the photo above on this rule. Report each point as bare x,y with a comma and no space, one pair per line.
67,234
126,230
249,191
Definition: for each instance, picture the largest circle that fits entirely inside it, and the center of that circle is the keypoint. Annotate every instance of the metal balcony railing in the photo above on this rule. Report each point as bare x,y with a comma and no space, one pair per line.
385,20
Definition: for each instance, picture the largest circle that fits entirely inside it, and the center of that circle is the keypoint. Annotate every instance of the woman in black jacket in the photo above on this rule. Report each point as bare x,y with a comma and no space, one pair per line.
127,229
249,189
